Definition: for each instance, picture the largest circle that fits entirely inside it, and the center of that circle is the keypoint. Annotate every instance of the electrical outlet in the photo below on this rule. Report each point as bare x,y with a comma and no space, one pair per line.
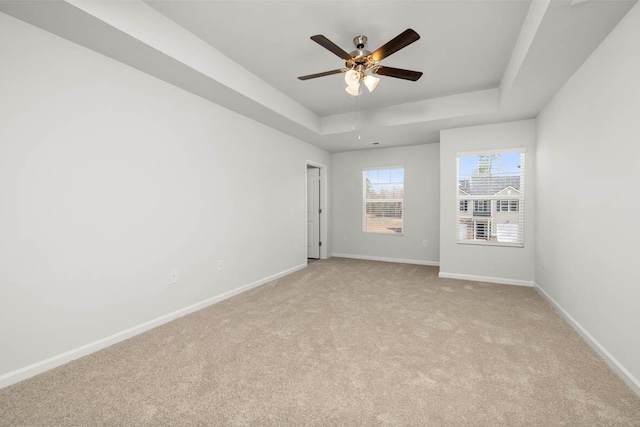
220,265
173,277
425,242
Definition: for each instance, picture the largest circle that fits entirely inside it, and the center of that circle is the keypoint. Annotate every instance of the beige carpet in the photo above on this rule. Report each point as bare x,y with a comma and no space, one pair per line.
342,342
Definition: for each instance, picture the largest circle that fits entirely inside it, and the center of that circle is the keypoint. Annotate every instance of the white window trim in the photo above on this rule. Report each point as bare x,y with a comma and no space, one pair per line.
519,197
365,200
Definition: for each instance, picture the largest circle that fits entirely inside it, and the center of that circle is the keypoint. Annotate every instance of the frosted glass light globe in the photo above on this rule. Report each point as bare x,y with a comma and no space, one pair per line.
352,78
353,90
371,82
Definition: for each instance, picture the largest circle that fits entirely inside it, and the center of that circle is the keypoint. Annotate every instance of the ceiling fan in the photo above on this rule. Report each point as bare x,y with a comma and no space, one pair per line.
360,61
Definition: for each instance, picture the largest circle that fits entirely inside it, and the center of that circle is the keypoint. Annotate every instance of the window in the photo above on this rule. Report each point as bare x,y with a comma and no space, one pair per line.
481,207
493,182
481,230
507,206
383,200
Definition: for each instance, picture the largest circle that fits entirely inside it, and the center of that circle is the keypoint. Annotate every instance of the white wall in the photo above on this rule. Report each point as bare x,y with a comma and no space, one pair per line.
421,221
489,263
110,179
588,176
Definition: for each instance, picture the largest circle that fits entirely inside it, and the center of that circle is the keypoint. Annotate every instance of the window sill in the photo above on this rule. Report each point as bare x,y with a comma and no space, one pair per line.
383,234
490,243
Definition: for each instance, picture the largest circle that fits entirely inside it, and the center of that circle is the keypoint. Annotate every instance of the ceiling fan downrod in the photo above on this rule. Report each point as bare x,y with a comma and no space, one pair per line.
360,56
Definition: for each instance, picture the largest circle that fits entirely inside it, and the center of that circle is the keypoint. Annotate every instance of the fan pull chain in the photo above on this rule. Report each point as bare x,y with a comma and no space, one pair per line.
359,109
353,113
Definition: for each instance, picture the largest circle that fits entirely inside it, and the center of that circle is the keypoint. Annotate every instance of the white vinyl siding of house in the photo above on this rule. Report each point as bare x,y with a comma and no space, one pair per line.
491,198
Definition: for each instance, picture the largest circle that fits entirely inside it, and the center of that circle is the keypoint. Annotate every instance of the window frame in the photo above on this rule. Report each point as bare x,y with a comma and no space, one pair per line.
469,218
485,204
501,204
365,200
485,226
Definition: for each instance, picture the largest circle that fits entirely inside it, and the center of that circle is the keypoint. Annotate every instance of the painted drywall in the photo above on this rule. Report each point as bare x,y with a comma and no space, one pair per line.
110,179
588,172
479,262
421,213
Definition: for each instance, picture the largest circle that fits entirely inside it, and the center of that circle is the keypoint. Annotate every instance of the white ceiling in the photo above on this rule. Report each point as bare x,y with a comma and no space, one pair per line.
464,45
483,61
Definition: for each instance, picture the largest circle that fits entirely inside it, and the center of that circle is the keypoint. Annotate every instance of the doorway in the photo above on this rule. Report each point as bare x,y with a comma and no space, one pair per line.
317,202
314,212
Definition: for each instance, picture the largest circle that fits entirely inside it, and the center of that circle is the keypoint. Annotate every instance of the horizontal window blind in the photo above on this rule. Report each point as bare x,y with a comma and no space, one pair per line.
490,199
383,200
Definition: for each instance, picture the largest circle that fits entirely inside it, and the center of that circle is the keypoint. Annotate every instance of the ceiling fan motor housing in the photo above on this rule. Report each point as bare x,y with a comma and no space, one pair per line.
360,59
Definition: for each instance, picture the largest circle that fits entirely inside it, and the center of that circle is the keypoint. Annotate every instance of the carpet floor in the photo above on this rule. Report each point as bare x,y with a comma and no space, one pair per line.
342,342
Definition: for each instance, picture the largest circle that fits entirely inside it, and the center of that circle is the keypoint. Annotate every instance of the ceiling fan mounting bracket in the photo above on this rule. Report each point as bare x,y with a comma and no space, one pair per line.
360,41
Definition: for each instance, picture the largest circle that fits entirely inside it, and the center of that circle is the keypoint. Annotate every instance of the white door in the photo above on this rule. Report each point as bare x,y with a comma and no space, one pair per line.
313,213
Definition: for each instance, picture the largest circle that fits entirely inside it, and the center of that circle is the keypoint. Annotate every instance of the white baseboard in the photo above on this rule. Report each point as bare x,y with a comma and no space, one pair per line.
385,259
613,363
66,357
499,280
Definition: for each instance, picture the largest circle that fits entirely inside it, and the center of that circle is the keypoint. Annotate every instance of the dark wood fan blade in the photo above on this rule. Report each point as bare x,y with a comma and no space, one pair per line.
403,39
326,73
331,46
398,73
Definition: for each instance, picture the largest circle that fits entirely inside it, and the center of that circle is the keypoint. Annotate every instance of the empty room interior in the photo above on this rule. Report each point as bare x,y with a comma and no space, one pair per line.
319,213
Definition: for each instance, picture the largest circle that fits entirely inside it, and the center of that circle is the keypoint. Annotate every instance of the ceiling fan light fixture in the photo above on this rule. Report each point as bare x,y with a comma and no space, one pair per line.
352,78
371,82
361,61
353,90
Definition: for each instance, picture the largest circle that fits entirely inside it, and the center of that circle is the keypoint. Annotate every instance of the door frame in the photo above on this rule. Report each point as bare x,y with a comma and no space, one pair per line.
323,205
